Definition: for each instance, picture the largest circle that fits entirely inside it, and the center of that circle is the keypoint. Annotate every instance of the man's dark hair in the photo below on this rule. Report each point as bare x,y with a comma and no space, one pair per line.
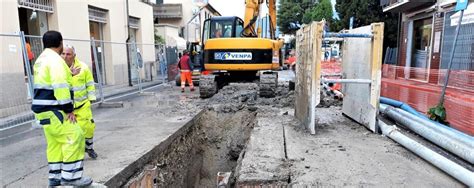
52,39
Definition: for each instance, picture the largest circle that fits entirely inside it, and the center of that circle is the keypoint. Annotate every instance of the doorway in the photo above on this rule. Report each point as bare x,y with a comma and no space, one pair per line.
421,45
133,50
96,32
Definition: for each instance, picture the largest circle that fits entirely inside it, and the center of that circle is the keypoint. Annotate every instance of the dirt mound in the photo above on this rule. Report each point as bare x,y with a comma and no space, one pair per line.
236,96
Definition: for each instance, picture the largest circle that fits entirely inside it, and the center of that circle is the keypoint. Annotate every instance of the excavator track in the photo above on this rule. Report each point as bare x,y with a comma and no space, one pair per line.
207,86
268,85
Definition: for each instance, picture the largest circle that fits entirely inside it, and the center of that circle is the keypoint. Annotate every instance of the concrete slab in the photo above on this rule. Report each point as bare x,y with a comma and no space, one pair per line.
264,159
123,135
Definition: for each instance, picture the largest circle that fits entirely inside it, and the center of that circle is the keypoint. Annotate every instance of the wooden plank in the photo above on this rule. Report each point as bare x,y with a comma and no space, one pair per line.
308,72
376,70
316,69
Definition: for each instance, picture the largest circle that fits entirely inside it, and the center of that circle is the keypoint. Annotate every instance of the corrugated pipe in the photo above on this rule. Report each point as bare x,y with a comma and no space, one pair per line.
454,141
455,170
401,105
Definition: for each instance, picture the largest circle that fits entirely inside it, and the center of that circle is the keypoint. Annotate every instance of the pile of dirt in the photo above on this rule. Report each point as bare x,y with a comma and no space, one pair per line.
236,96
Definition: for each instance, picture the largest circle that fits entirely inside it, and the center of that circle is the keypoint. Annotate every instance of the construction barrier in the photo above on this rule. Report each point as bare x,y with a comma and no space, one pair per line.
362,59
425,94
359,76
117,68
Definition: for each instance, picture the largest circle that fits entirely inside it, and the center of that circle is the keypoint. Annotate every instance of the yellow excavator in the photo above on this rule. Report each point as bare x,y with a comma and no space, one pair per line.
235,50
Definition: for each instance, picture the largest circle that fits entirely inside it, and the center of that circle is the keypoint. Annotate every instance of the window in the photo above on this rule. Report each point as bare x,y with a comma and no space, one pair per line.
221,29
206,29
239,28
33,22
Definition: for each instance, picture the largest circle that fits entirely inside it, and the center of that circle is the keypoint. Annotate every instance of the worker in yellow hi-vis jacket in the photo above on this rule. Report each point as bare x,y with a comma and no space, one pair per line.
53,106
84,93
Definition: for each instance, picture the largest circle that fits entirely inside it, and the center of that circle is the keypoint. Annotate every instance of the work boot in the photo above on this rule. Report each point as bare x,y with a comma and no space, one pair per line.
84,181
54,182
92,154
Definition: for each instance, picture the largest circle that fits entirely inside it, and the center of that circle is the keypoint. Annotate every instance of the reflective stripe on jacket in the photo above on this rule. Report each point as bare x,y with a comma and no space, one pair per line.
52,79
83,84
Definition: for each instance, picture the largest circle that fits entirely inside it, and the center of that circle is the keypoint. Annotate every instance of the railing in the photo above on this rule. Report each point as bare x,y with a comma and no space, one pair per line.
41,5
386,3
404,4
168,11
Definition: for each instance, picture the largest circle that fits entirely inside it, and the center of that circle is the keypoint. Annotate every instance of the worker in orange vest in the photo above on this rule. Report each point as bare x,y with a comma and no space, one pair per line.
31,56
186,67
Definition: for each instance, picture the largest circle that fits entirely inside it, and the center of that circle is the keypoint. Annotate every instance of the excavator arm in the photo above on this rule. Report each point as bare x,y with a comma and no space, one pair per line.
252,11
272,13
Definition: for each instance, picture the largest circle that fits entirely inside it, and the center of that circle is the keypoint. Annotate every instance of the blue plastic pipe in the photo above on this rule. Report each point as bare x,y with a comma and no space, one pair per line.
409,109
403,106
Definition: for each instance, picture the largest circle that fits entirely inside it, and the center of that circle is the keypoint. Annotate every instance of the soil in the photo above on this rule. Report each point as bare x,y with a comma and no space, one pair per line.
259,142
213,144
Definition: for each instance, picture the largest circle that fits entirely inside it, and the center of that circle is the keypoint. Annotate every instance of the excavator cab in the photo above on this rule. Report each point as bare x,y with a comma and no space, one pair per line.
222,27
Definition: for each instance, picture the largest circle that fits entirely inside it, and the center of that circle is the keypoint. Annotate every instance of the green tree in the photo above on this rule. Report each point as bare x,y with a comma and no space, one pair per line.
159,39
322,10
366,12
292,11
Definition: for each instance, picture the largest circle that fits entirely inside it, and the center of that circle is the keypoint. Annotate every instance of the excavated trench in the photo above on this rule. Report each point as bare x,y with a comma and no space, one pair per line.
212,143
209,144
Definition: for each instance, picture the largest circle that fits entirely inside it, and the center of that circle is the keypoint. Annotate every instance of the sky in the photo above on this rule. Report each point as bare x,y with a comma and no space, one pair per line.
229,7
237,7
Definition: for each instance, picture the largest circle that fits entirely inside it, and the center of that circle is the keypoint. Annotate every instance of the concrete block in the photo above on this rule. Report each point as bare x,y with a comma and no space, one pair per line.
119,104
147,93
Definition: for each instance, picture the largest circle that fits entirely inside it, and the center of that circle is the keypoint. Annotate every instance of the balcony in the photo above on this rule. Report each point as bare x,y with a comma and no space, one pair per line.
168,11
404,5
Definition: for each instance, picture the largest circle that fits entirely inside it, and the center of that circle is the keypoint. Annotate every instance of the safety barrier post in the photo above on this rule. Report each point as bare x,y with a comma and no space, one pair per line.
98,70
138,62
27,63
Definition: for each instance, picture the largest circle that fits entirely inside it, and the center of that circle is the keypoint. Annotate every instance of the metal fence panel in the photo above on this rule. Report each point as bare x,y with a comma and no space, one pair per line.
113,69
172,62
462,70
15,95
464,47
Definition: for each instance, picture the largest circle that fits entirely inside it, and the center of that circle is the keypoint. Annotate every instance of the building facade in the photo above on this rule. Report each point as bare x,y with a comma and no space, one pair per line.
426,39
187,15
78,21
